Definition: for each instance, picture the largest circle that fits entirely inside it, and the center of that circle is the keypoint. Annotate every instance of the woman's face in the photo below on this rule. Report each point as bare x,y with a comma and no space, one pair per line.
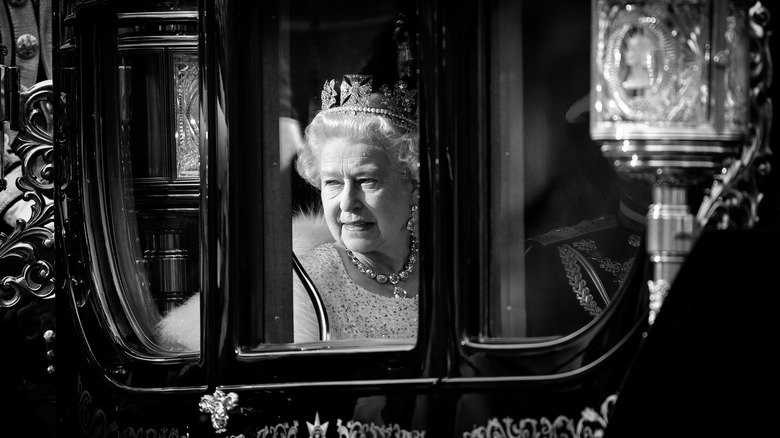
366,201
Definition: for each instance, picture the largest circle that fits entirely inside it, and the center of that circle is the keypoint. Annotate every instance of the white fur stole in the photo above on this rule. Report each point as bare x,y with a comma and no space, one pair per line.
180,328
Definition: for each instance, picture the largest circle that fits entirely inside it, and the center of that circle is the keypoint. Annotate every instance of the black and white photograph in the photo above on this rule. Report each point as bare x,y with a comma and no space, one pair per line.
388,218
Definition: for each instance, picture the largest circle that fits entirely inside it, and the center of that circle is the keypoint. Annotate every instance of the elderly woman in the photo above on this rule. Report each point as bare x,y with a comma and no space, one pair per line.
361,151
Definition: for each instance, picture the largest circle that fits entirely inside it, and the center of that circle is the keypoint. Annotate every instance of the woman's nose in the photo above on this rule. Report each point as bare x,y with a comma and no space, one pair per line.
350,197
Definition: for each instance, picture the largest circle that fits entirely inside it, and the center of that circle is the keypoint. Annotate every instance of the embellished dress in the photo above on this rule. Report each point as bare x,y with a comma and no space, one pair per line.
353,312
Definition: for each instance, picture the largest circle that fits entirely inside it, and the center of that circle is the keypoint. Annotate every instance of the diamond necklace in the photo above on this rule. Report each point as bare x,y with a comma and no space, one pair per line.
394,279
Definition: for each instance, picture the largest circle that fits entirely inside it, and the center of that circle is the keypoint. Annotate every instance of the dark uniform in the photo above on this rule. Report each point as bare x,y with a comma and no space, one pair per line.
574,272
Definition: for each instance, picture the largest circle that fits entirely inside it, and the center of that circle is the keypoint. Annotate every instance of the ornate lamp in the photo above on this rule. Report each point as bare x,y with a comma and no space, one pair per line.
678,99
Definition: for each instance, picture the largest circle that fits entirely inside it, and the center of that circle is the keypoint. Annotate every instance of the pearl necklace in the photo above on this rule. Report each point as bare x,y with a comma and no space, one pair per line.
394,279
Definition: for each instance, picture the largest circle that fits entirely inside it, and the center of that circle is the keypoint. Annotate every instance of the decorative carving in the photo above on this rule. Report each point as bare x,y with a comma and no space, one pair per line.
640,66
187,118
280,430
356,428
94,422
712,122
317,430
32,240
590,424
218,405
343,430
140,432
92,419
732,201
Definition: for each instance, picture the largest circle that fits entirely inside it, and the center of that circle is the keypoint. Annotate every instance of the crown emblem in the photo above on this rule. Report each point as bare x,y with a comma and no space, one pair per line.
356,95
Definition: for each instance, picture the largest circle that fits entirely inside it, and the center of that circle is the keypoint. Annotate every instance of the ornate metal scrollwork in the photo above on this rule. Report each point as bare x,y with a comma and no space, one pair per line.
732,201
713,123
32,240
591,423
219,406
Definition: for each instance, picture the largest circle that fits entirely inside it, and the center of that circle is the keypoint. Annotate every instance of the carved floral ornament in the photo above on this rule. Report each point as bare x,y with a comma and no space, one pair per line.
732,201
218,406
591,423
30,237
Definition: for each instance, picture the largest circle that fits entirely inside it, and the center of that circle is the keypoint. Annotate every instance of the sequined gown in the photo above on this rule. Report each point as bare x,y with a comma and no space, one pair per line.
353,312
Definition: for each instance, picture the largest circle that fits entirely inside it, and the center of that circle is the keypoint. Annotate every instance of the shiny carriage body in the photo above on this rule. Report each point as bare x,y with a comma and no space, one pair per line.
175,191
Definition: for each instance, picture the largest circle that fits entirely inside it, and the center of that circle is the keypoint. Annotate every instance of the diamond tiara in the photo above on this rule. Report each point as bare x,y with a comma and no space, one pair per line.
397,104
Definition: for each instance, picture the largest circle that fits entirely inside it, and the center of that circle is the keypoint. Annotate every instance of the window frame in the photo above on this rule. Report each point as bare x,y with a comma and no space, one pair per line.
231,361
95,297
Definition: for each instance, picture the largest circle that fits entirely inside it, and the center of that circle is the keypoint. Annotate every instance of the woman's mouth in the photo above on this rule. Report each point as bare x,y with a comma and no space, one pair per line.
357,226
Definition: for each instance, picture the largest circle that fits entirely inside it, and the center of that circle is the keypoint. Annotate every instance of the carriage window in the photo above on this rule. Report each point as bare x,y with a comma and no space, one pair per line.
564,233
348,140
149,177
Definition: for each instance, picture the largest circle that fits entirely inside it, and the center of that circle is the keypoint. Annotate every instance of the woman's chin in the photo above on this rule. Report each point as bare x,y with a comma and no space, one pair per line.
356,245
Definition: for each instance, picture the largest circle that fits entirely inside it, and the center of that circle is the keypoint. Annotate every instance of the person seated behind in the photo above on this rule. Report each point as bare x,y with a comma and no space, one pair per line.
575,272
361,151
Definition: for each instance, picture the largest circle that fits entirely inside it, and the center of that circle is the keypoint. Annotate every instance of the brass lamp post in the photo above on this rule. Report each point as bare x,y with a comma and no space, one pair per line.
677,100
